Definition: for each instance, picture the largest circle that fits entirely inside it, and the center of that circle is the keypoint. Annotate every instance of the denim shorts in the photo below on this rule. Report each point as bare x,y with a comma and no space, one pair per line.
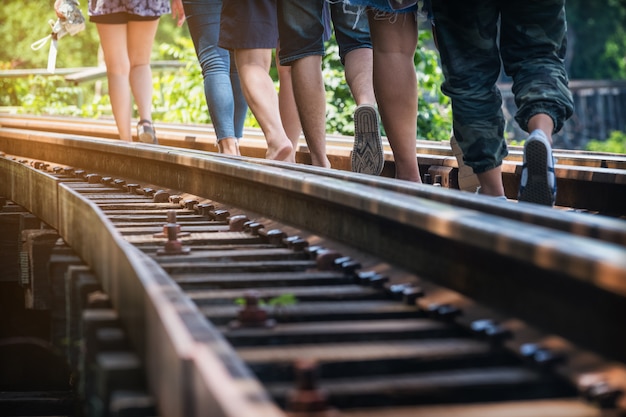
301,29
248,24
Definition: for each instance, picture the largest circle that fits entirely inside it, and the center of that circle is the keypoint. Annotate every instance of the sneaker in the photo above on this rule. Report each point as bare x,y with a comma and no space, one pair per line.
367,155
468,181
145,132
538,184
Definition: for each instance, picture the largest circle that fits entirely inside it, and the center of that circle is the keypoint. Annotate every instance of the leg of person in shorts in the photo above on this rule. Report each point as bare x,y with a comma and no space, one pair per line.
249,28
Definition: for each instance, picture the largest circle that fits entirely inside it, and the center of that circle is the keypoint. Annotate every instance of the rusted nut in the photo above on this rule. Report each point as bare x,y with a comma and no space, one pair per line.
273,236
372,278
253,227
205,209
220,215
295,242
350,266
190,204
173,246
119,183
337,262
68,171
313,250
603,394
80,173
251,315
410,295
148,192
443,311
132,188
94,178
107,180
236,223
307,398
396,291
542,356
36,164
325,259
57,170
161,196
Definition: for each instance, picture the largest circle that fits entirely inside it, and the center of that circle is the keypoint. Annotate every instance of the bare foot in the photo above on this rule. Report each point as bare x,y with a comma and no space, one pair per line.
282,153
228,146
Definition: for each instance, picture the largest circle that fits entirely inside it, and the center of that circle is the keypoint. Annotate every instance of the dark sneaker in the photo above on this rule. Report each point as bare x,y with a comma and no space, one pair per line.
538,184
145,132
367,155
468,181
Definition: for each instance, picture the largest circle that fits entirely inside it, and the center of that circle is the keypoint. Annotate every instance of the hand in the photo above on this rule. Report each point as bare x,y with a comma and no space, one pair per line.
57,4
178,12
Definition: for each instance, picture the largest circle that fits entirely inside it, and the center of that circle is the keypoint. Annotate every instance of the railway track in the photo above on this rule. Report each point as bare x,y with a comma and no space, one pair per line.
586,180
362,296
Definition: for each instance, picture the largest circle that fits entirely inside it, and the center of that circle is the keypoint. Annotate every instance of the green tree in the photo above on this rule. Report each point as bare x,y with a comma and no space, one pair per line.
597,38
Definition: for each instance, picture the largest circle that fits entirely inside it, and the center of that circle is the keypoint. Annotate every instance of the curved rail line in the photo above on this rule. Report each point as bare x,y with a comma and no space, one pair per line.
586,180
502,255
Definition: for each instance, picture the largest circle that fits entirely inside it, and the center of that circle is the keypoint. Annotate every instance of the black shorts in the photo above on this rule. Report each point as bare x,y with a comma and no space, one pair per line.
120,18
249,24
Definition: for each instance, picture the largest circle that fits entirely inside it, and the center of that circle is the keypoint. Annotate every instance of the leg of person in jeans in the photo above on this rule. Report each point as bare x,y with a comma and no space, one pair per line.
223,95
534,59
394,40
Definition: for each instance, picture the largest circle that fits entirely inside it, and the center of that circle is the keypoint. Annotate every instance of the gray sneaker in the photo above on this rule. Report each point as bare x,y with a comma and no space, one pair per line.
538,184
367,155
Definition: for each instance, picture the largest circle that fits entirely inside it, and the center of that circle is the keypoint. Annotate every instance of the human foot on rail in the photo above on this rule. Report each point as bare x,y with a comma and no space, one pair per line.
228,146
282,152
538,183
367,154
145,132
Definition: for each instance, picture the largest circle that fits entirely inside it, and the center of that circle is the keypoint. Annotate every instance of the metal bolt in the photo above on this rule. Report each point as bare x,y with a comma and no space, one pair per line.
307,397
173,246
161,197
236,223
326,259
251,315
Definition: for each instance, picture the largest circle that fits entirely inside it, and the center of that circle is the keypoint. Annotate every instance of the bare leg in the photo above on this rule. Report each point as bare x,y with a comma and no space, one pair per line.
258,88
287,105
395,84
140,40
543,122
310,95
359,74
228,146
491,182
113,39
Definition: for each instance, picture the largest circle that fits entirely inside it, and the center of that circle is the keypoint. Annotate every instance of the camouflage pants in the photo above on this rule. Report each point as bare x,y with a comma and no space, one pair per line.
475,38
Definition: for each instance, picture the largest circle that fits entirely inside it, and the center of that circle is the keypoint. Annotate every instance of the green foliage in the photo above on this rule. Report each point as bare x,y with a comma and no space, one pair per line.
597,38
616,143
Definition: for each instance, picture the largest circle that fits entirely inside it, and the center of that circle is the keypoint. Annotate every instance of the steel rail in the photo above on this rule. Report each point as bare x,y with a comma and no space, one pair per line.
586,180
498,261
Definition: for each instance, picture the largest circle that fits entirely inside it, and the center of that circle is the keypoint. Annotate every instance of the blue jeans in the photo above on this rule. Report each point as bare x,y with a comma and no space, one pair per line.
225,100
301,29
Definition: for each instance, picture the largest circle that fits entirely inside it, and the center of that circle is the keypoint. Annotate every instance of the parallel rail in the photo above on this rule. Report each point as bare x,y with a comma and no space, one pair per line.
586,180
502,255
